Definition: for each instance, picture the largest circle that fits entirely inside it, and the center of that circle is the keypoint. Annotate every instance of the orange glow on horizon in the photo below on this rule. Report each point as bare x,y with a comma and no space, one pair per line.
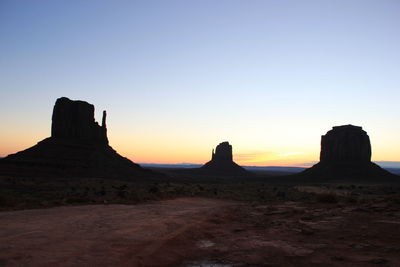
146,148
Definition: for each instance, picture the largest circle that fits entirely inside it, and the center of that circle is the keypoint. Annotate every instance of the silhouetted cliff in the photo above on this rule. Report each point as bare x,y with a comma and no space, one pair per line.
346,155
346,143
78,146
222,162
74,120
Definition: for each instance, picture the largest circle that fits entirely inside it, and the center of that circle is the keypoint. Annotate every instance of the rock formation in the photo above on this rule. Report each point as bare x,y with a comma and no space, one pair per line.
223,152
78,146
74,120
222,163
346,143
345,155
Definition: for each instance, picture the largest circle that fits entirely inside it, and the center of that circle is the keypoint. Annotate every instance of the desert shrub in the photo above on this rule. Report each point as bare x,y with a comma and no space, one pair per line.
327,197
215,191
393,199
76,200
281,194
4,201
351,199
121,194
154,189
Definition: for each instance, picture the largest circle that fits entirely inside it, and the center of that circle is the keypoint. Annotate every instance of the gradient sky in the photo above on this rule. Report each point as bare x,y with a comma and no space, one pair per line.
178,77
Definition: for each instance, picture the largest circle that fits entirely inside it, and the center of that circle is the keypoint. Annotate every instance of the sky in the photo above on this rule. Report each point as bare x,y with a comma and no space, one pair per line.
179,77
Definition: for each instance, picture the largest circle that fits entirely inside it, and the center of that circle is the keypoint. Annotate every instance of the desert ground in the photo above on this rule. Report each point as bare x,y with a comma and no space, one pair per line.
204,225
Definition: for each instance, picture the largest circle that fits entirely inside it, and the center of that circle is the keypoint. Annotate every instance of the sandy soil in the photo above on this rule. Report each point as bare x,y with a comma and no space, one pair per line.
102,235
203,232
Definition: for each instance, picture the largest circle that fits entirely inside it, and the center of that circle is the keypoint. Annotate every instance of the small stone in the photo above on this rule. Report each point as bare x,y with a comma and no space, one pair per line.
337,258
379,261
306,231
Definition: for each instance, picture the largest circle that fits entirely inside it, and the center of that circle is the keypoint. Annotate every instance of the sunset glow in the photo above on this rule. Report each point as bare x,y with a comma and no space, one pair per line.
179,77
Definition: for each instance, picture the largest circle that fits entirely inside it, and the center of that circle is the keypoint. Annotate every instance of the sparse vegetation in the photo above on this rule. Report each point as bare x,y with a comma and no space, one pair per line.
327,197
25,193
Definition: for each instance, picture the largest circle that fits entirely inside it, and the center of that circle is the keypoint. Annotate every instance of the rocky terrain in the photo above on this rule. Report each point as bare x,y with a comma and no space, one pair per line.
206,232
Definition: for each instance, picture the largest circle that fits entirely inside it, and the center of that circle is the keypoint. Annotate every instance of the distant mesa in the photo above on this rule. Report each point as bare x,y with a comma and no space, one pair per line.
222,163
78,146
346,154
346,143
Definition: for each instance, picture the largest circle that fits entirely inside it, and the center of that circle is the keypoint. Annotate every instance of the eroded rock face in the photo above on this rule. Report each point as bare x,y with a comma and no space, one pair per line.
74,120
223,152
346,143
346,156
78,147
222,163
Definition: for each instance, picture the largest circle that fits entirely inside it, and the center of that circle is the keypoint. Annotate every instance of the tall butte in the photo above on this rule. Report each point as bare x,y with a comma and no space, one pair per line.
74,120
222,163
346,155
78,146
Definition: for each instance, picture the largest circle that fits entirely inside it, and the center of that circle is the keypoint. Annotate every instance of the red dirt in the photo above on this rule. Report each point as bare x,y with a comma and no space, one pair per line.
202,232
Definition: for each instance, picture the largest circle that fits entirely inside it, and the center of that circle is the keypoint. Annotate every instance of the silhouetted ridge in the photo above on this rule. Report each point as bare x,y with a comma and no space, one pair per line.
78,146
346,155
222,162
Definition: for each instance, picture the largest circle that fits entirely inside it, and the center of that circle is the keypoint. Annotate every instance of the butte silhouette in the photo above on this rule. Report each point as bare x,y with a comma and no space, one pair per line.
78,146
222,163
346,156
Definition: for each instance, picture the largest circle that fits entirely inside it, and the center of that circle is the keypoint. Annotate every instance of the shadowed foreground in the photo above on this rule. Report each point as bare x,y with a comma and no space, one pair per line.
203,232
98,235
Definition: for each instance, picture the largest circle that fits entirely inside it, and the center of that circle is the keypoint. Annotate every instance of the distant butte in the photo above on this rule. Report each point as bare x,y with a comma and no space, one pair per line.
78,146
346,155
222,163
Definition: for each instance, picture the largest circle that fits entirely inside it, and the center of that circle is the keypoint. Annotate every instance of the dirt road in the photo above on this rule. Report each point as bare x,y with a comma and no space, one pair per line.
190,232
155,234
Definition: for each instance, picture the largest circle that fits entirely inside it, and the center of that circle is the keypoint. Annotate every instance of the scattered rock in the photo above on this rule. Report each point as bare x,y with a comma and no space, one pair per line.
307,231
379,261
337,258
205,244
